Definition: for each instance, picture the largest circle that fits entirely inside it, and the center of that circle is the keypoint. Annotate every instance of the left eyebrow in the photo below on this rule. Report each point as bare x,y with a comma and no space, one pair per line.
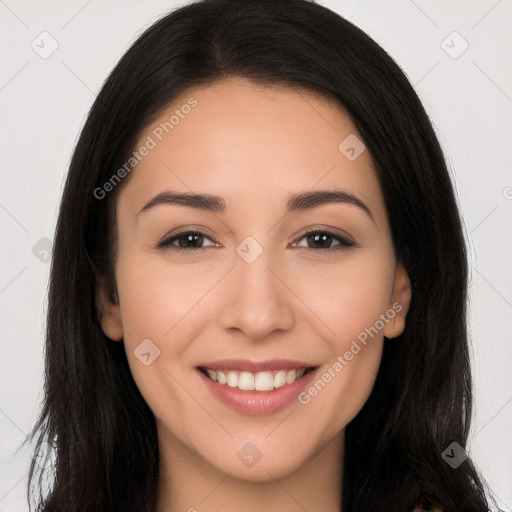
314,198
217,204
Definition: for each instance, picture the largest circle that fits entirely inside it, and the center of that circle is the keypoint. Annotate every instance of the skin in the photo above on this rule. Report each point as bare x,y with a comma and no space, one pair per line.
253,146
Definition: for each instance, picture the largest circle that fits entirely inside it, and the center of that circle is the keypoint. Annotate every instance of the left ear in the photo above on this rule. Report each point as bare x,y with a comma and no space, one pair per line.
400,301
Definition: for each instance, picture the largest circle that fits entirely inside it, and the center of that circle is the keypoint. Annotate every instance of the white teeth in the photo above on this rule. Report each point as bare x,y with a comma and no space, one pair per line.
280,379
259,381
212,374
246,381
264,381
233,379
290,376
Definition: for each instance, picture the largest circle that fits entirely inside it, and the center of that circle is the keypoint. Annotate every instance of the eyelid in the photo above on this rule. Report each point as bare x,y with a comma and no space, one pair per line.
344,240
163,244
343,237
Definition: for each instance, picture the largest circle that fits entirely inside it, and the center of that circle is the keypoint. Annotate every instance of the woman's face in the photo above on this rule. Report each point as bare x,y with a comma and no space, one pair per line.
272,286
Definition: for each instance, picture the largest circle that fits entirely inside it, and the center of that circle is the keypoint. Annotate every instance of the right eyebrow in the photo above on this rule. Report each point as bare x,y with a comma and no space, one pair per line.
214,204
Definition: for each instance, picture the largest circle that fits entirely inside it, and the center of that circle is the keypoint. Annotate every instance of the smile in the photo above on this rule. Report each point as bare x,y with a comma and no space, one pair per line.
255,381
256,389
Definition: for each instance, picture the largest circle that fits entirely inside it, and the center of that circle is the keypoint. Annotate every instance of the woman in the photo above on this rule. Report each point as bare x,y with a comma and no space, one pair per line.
308,349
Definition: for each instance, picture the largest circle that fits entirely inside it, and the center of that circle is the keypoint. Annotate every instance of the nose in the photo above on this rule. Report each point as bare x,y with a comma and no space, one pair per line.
257,301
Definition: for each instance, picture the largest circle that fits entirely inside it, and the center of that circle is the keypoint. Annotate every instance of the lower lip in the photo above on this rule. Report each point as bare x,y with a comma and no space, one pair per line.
257,403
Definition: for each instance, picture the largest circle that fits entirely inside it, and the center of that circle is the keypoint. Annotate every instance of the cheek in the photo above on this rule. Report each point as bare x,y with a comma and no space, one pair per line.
152,305
352,303
341,389
347,297
155,298
155,305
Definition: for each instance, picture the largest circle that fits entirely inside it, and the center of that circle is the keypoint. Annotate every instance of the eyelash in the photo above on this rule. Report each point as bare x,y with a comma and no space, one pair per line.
345,243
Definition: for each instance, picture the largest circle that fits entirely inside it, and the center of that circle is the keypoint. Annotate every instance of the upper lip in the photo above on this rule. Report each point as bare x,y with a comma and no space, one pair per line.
256,366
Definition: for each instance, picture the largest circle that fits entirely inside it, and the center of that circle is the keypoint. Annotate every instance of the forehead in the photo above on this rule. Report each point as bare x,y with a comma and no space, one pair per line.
251,143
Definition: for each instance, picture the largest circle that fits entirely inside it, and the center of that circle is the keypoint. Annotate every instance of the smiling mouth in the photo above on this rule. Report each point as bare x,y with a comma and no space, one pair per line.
266,380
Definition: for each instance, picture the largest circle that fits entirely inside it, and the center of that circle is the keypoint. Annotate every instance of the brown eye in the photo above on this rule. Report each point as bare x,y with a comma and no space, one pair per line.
193,240
187,241
322,240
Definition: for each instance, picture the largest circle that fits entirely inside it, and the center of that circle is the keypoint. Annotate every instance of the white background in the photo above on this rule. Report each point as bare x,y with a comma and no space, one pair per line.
44,103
